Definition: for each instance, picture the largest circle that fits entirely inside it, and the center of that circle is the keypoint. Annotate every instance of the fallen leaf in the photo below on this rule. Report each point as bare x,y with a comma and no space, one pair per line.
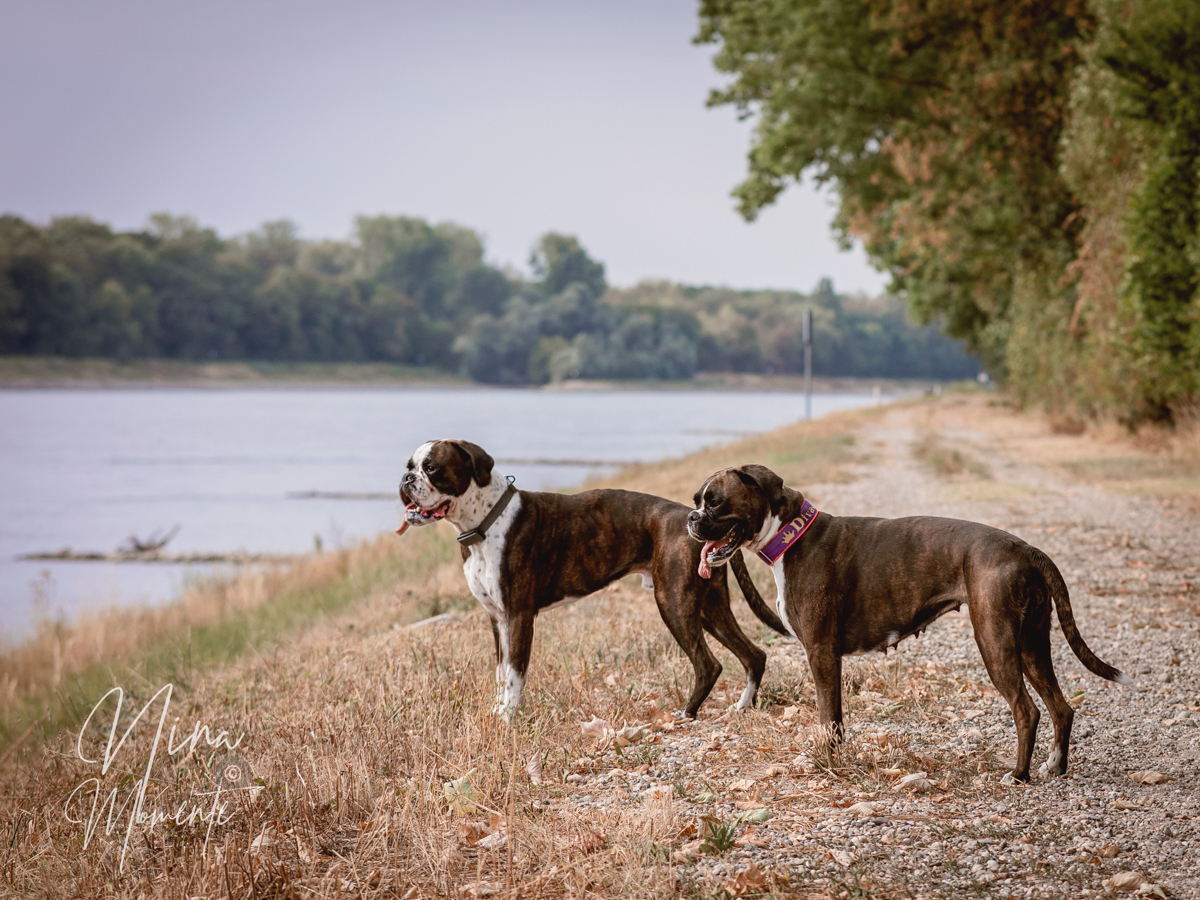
842,857
775,771
485,888
589,841
493,841
610,680
1123,804
688,851
790,712
688,831
305,851
472,832
752,803
599,729
757,816
1124,881
863,808
751,838
891,773
970,714
659,792
630,734
663,720
917,781
1108,851
750,879
1149,776
460,794
265,840
745,785
1077,700
534,768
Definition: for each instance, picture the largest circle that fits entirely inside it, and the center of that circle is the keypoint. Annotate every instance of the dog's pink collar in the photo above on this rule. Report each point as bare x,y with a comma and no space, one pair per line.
788,534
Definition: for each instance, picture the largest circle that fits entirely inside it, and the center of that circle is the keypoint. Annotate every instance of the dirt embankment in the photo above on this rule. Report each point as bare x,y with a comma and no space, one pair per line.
378,769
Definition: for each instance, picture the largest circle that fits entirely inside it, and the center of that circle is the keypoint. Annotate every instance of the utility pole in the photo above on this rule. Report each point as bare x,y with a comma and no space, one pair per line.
808,365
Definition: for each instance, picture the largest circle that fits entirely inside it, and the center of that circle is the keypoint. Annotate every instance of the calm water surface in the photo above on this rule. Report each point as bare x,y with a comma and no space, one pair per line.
86,469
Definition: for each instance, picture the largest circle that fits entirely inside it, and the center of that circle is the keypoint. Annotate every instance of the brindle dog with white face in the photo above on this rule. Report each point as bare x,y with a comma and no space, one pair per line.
852,585
541,549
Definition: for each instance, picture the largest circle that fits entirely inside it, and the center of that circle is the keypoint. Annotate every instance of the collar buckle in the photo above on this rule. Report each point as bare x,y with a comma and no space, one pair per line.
479,532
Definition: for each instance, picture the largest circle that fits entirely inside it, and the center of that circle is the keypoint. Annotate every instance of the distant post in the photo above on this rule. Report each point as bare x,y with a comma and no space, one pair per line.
808,365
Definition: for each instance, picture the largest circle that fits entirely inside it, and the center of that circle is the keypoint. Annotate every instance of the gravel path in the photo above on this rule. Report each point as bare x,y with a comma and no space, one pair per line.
1131,565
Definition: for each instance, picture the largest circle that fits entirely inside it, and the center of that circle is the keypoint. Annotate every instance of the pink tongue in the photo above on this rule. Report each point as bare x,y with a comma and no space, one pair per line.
705,569
403,527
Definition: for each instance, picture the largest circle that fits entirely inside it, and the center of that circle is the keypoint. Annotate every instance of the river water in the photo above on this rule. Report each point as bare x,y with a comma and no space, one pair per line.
86,469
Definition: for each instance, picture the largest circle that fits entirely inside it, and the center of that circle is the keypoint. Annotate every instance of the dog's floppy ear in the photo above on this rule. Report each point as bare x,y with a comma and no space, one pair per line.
766,480
481,462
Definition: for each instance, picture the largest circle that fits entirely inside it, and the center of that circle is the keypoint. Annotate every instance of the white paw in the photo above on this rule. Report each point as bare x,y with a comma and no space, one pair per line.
1053,765
1008,779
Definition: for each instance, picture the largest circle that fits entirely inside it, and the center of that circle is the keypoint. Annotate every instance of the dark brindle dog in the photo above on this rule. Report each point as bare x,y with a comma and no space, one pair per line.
851,585
525,551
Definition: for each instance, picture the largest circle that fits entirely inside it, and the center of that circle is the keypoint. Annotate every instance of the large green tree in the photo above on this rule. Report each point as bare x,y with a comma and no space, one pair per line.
938,123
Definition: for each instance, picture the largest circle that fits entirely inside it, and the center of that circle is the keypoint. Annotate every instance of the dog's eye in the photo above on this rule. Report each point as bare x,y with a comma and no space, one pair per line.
430,468
708,498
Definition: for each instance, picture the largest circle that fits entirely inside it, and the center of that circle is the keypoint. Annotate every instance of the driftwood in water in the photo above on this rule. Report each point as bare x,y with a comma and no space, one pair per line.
154,556
156,541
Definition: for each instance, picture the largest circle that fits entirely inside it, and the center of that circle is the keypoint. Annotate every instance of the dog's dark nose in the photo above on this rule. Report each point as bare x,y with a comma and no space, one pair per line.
695,516
408,479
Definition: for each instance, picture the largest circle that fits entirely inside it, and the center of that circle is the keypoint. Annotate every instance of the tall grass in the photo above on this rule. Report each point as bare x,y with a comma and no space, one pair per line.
374,764
55,676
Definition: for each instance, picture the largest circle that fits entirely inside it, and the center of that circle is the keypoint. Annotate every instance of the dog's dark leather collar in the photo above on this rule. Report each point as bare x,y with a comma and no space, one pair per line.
477,534
788,534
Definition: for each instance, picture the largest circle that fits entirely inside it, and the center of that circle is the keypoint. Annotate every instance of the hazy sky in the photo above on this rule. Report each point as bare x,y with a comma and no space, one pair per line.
511,117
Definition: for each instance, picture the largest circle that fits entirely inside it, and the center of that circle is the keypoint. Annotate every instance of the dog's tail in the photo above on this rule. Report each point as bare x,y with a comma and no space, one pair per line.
1066,619
753,597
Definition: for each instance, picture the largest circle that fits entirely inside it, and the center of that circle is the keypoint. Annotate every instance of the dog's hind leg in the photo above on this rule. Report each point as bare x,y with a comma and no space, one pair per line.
999,645
1039,669
683,621
719,621
827,678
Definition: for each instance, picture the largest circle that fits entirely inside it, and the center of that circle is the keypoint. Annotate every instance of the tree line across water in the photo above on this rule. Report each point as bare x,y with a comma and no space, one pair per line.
405,291
1027,172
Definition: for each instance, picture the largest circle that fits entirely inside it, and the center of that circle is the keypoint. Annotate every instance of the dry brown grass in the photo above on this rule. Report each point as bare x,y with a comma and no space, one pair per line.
803,454
1150,462
355,727
946,461
49,675
353,733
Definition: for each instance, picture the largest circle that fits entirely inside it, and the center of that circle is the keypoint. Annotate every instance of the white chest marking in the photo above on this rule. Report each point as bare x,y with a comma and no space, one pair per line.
483,564
781,596
770,527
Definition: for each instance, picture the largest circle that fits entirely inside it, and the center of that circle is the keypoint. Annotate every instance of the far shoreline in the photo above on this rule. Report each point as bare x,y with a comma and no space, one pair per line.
59,373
